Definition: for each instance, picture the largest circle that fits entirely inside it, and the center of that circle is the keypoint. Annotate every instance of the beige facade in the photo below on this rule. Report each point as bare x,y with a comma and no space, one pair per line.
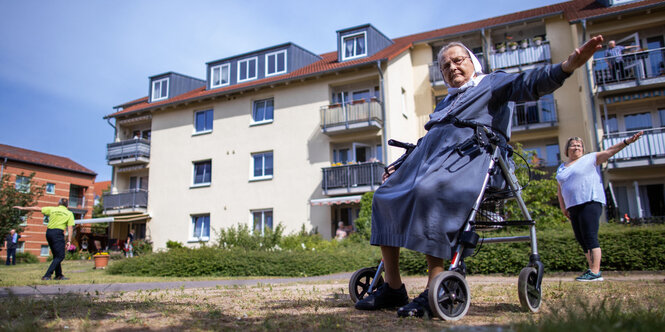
318,161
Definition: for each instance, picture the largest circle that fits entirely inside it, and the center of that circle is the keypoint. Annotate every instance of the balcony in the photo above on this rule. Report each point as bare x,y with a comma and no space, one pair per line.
636,69
352,178
521,57
648,150
131,201
535,115
351,117
128,152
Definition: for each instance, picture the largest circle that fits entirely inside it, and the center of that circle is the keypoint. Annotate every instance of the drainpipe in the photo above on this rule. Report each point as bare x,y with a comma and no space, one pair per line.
384,132
2,169
115,135
591,96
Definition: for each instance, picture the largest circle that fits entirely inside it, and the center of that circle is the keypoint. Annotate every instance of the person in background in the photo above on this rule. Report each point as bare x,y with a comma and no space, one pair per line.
341,233
129,244
60,218
615,60
581,197
11,243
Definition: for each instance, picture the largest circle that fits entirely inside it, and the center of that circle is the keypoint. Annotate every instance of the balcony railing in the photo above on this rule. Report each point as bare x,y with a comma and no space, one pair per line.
534,115
631,69
352,178
648,150
132,200
135,150
521,56
435,76
357,115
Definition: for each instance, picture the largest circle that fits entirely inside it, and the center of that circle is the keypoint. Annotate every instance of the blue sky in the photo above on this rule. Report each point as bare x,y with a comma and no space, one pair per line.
65,64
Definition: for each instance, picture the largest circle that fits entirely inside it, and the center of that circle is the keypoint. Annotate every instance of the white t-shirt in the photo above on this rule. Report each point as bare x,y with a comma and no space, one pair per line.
581,182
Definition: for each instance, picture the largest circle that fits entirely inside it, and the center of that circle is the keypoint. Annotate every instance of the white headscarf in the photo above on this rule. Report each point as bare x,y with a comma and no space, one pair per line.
477,75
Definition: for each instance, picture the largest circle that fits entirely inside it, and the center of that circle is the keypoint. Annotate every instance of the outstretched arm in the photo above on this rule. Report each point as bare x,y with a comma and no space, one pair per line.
28,208
605,155
582,54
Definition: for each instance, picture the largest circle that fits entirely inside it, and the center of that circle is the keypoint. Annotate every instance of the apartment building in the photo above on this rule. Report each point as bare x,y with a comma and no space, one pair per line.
61,178
282,135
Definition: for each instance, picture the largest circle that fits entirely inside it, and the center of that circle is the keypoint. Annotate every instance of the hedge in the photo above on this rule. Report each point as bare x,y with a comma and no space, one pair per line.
624,248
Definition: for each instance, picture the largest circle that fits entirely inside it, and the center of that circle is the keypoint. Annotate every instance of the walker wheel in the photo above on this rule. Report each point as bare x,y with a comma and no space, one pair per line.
449,296
360,282
526,289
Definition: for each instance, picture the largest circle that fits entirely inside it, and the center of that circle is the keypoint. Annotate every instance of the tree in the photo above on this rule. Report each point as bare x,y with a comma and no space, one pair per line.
10,196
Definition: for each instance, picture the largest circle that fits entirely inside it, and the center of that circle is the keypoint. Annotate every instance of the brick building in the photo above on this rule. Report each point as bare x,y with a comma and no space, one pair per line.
61,178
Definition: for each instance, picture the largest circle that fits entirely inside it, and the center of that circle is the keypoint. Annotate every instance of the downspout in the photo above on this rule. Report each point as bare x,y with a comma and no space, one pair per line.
2,169
591,96
115,135
384,133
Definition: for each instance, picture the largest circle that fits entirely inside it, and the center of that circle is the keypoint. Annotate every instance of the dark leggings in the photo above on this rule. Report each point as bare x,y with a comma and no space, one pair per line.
585,219
56,240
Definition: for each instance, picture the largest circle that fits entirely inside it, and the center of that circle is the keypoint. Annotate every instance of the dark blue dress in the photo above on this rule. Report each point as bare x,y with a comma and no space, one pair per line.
423,204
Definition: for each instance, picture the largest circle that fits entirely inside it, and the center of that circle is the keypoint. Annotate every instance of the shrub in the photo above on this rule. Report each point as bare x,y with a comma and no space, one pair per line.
26,258
142,247
364,221
173,245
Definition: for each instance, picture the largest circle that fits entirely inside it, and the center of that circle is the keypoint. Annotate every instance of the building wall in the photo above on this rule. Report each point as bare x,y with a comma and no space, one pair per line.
35,230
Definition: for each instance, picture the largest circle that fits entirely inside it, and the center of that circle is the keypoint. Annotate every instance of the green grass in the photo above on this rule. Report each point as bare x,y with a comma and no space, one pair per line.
79,272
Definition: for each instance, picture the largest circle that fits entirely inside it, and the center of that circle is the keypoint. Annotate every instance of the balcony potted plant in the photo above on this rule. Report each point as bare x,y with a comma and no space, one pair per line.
101,260
524,43
501,47
512,45
538,40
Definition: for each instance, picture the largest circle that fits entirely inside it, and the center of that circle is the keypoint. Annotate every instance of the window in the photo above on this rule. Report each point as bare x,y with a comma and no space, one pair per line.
220,75
24,221
262,166
160,89
20,247
535,156
276,63
354,46
661,115
43,251
50,188
22,184
379,152
202,172
203,121
341,156
262,111
611,125
262,220
200,228
637,121
553,156
247,69
45,221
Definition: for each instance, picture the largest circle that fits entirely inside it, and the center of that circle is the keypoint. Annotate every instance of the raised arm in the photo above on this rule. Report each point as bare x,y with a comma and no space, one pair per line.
605,155
28,208
582,54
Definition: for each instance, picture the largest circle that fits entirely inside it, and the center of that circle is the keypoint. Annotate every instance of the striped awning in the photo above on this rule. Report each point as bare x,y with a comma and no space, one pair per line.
337,200
125,218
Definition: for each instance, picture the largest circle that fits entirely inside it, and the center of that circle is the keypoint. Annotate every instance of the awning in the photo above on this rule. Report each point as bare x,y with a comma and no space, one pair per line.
337,200
125,218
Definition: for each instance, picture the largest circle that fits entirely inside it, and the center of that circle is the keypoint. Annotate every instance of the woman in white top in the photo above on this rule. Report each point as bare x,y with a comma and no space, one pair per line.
581,197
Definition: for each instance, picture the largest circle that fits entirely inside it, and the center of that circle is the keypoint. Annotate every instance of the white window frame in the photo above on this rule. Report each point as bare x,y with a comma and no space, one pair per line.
251,168
24,221
205,131
46,189
212,75
253,122
263,219
275,54
256,68
41,251
192,227
161,87
22,187
343,47
202,184
20,247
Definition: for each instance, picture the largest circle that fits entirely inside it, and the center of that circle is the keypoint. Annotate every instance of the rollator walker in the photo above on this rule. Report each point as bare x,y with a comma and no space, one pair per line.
449,294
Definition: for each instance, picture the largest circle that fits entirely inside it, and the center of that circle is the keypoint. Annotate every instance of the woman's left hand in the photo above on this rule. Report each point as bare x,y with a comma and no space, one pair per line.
582,54
635,137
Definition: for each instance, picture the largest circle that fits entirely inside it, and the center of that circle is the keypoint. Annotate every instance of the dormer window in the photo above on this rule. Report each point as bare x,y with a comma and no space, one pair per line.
221,75
247,69
355,46
276,63
160,89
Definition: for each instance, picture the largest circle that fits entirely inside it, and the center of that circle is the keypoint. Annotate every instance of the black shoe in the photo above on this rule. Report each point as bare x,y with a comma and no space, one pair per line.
61,278
419,307
384,297
46,278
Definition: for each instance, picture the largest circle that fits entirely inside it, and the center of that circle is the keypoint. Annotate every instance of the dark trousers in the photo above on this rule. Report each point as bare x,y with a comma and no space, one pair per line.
11,256
585,219
56,241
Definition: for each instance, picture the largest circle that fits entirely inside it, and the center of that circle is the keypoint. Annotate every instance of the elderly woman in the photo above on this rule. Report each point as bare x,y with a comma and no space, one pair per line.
581,197
425,202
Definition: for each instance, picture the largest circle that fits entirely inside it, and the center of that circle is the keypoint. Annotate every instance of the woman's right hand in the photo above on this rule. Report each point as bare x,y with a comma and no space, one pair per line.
566,213
387,173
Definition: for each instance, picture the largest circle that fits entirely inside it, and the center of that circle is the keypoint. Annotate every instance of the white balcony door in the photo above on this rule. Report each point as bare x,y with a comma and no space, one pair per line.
361,152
